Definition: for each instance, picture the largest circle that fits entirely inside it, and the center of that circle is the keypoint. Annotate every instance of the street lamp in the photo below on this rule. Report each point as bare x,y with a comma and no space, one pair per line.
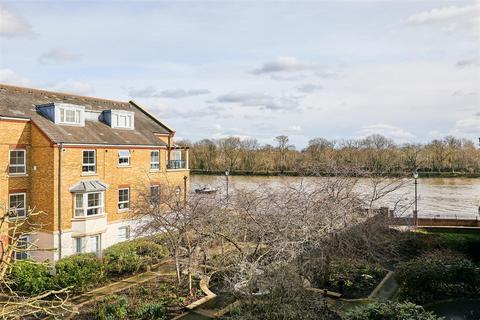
227,173
185,191
415,211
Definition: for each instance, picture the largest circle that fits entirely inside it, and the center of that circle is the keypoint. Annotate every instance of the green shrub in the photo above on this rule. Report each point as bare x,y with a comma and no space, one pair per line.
150,311
79,271
390,310
30,278
112,308
130,256
437,274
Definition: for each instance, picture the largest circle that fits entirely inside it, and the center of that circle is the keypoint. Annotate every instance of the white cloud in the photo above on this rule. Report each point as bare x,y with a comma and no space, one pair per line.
472,62
11,25
286,64
262,100
464,19
57,55
75,87
151,92
309,88
11,77
396,133
467,127
295,128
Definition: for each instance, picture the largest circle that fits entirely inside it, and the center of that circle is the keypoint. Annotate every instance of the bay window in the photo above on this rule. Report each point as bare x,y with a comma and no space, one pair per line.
88,204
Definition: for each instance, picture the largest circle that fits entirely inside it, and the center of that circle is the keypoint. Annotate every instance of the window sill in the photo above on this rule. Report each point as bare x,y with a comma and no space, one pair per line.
86,174
123,210
184,169
17,175
92,217
120,166
154,170
14,219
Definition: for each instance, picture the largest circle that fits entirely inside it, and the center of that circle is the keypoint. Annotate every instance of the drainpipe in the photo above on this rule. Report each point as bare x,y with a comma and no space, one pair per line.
59,192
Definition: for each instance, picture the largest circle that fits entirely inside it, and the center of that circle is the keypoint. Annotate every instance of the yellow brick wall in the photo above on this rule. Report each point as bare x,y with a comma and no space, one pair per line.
41,181
137,176
12,133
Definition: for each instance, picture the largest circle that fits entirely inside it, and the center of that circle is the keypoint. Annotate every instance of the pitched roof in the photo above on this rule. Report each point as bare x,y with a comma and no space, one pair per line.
89,186
21,102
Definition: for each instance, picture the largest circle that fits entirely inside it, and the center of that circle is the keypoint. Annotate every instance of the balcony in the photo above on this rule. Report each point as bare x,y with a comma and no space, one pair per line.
176,164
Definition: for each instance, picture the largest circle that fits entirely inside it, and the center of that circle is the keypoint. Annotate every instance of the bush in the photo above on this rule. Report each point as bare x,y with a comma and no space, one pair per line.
112,308
130,256
437,274
390,311
150,311
30,278
79,271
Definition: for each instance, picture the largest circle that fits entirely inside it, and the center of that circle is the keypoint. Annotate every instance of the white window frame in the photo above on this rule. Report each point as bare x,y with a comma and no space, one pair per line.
25,254
155,164
15,210
24,165
82,211
125,164
98,244
177,155
126,236
89,164
82,244
62,113
121,119
121,204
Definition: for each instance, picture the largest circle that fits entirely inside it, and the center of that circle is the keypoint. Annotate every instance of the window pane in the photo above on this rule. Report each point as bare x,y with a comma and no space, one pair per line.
17,204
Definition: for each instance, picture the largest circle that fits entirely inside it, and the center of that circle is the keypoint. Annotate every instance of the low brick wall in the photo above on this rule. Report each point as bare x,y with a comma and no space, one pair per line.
437,222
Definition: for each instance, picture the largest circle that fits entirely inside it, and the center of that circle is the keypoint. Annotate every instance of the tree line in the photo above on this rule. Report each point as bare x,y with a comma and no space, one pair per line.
375,153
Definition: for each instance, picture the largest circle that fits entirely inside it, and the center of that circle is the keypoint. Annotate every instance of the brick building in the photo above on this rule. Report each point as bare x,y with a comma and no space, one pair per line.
82,161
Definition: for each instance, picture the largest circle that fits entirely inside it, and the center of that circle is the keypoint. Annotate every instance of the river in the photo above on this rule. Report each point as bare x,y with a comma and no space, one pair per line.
437,197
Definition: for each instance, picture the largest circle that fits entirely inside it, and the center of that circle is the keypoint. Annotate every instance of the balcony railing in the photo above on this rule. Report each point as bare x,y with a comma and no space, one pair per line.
176,164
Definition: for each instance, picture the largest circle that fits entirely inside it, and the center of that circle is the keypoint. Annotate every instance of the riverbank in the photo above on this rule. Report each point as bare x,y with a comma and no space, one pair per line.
422,174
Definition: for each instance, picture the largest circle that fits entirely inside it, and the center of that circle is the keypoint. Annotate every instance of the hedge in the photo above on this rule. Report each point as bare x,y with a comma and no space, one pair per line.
79,271
30,278
437,274
390,310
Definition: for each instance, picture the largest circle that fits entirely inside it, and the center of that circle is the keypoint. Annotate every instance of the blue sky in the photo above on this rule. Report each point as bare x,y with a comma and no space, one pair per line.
407,69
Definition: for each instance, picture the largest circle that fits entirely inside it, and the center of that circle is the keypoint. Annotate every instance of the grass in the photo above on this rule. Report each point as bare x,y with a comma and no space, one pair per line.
466,241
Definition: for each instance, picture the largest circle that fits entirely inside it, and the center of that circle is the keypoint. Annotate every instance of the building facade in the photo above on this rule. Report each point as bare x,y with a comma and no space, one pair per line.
82,162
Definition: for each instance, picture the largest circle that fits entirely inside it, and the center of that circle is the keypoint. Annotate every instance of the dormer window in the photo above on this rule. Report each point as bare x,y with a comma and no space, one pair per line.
63,113
69,116
119,119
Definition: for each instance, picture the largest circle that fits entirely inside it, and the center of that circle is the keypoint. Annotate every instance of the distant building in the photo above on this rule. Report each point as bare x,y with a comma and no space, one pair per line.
81,160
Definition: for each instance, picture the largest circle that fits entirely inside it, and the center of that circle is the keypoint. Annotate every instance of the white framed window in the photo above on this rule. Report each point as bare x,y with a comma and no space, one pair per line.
70,115
17,202
122,119
79,244
154,194
155,160
89,161
123,199
94,244
124,233
17,162
88,244
22,244
124,158
88,204
177,155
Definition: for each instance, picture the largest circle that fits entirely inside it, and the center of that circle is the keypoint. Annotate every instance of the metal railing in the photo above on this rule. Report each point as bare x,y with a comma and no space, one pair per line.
176,164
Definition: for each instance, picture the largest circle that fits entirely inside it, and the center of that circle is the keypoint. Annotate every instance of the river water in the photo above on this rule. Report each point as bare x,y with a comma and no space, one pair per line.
437,197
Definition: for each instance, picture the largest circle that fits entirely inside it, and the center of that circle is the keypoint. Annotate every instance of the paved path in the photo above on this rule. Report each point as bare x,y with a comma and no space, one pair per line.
165,268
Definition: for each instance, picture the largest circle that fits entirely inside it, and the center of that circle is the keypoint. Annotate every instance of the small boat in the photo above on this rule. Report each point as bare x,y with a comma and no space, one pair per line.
206,190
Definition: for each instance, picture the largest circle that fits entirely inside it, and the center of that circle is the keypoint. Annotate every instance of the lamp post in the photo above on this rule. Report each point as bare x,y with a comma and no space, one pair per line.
185,191
227,173
415,211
